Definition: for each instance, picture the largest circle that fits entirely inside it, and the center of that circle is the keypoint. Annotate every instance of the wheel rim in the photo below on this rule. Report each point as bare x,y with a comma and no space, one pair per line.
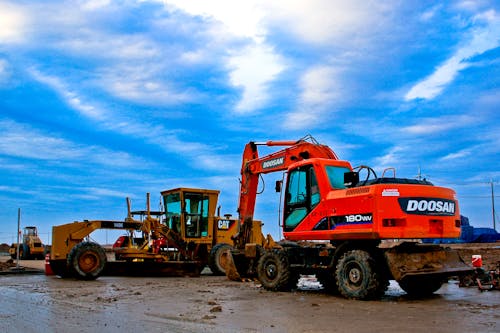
271,270
354,275
88,261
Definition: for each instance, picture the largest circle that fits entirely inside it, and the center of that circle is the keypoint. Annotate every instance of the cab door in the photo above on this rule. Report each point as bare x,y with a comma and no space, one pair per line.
301,196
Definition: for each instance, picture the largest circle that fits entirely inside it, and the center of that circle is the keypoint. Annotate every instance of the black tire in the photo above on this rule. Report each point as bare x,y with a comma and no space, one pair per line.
421,286
216,259
60,268
358,277
25,251
274,272
87,260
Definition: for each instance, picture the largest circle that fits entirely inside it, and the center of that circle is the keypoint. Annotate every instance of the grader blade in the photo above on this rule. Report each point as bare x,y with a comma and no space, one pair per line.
230,266
409,259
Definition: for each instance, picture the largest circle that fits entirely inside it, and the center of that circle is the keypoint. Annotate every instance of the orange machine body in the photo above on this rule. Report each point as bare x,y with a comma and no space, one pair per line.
391,209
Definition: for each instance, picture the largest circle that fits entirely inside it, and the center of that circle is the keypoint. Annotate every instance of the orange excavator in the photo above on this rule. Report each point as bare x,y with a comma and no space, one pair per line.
353,230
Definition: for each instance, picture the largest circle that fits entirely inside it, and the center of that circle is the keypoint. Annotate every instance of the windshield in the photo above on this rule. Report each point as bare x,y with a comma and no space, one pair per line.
336,176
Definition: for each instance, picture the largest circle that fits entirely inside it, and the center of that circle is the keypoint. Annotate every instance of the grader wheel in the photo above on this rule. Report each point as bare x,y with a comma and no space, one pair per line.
217,261
87,260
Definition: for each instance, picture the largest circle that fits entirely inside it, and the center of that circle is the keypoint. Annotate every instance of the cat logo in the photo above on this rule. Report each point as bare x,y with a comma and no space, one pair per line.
223,224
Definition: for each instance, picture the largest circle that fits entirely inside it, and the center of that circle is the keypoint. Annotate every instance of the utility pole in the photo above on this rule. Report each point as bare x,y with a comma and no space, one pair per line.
18,236
493,204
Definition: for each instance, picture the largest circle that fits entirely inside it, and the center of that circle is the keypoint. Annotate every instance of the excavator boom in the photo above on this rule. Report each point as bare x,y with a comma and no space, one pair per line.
253,166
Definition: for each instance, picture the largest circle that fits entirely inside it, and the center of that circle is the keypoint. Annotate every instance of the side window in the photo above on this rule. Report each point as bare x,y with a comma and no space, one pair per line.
297,190
173,211
336,176
196,215
315,196
302,195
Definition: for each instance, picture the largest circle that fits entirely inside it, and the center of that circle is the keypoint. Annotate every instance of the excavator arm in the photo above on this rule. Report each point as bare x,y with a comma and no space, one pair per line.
254,166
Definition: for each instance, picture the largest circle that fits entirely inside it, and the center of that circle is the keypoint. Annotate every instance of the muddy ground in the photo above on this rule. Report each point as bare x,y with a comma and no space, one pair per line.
39,303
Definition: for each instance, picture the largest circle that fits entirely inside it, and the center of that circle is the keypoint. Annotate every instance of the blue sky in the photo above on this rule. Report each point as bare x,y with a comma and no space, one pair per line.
100,100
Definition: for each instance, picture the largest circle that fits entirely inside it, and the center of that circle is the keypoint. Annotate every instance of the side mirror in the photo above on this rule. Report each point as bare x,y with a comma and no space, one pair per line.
351,178
278,186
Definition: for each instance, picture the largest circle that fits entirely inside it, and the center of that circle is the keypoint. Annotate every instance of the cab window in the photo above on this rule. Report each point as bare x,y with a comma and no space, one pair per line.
336,176
302,195
196,214
173,211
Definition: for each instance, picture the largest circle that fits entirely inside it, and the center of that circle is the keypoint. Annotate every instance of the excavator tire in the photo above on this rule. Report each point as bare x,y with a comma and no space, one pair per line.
87,260
217,260
273,271
358,278
422,286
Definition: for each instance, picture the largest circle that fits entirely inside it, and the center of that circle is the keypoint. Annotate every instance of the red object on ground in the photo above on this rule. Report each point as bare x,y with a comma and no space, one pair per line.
48,269
477,261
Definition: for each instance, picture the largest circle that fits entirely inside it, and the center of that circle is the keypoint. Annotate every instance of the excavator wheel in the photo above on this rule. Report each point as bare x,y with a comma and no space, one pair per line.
273,271
421,286
358,277
87,260
217,260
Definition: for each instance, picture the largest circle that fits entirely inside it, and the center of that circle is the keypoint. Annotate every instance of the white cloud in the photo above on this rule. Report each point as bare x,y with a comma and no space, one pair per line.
430,13
326,21
315,21
253,69
94,4
458,155
20,140
390,159
98,44
320,89
72,98
24,141
242,18
98,192
439,125
483,39
109,121
471,5
142,84
255,66
13,23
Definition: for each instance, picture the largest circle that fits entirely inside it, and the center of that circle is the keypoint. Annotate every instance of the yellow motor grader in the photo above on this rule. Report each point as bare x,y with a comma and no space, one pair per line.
182,240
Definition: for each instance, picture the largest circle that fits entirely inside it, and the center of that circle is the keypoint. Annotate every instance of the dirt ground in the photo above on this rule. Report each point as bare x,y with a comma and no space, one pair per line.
40,303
